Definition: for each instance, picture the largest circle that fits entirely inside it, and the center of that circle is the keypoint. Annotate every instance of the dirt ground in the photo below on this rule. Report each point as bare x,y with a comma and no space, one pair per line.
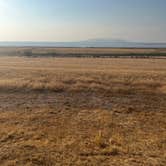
82,111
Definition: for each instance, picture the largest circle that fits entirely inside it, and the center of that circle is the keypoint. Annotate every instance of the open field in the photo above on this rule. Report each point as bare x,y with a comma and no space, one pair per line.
82,111
83,52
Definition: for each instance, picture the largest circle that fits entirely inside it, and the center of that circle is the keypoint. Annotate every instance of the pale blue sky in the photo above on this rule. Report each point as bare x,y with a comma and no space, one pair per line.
72,20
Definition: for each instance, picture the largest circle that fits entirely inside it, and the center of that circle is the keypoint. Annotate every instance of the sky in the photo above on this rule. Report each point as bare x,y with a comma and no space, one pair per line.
76,20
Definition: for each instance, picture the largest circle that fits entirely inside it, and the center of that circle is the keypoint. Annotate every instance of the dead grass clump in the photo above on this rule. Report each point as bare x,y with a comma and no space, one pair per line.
111,151
38,86
69,81
105,152
100,141
126,90
57,87
116,139
79,87
163,89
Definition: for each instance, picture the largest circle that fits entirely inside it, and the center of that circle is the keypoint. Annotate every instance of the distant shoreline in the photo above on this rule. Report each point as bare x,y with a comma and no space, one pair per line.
85,44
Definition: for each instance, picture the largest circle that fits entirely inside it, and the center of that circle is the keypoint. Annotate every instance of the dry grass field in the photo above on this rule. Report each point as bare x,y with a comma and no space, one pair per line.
82,111
83,52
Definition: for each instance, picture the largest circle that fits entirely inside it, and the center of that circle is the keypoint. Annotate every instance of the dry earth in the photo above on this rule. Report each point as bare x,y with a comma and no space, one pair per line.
80,111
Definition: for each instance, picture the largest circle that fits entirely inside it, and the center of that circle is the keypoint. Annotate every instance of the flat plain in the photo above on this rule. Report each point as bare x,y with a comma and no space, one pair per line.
82,111
82,52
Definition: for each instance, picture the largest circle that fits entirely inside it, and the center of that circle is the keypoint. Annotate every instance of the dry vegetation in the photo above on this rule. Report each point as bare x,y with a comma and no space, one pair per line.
83,52
80,111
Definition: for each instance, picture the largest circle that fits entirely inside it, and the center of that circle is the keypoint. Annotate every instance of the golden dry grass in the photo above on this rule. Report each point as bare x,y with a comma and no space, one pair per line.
80,51
80,111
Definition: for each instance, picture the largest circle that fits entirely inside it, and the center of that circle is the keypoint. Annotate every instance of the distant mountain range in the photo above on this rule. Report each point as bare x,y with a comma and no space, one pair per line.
87,43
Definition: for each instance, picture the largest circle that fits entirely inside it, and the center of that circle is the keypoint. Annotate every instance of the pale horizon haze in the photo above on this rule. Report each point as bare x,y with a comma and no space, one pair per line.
76,20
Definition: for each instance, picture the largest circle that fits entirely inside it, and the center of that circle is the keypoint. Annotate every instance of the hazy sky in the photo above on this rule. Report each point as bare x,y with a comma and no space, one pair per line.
72,20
